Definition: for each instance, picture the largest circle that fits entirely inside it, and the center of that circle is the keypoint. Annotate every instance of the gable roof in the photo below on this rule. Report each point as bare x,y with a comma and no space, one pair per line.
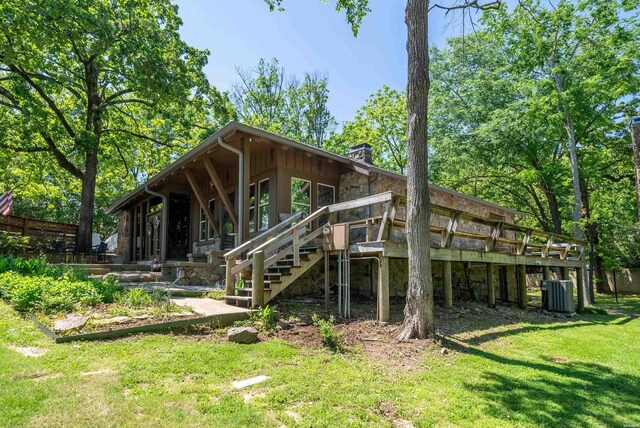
234,126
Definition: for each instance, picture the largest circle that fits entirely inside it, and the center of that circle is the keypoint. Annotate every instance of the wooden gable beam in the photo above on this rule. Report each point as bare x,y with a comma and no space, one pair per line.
217,183
201,200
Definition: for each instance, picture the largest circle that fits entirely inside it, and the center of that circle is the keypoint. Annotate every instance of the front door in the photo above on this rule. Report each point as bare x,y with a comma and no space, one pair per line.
178,235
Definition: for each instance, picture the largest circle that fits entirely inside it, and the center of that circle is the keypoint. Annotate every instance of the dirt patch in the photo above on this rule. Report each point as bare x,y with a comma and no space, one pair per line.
468,323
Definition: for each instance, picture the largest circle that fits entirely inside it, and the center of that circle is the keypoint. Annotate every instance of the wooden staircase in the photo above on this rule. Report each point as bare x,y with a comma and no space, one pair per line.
276,277
263,267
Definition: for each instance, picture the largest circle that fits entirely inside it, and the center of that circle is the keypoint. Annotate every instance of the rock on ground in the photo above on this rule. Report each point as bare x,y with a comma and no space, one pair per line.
243,334
71,322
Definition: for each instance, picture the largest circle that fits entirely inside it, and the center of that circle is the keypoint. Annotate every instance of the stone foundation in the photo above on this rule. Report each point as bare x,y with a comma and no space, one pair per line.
195,273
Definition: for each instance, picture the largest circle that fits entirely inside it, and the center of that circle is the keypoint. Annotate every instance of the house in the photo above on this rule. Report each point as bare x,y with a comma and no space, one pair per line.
253,205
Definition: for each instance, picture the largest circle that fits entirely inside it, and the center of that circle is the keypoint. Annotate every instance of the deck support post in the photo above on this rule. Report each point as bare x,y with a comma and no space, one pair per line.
580,288
326,282
545,273
564,273
448,284
383,290
491,289
522,284
257,280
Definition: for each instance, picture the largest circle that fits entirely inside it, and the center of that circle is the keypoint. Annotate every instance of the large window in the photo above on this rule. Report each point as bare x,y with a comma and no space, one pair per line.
212,208
252,207
206,230
263,205
300,196
326,196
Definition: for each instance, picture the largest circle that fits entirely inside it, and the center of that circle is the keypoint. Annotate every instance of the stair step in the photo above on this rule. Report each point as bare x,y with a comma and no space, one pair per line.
245,298
249,290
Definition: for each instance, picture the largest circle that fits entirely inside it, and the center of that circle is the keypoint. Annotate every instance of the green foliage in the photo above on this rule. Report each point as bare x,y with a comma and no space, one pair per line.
355,10
100,83
330,338
49,295
37,286
12,245
266,317
265,97
381,123
133,298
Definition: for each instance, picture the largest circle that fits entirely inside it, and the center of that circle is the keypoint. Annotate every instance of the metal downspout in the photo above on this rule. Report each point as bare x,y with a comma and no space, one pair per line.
240,236
163,225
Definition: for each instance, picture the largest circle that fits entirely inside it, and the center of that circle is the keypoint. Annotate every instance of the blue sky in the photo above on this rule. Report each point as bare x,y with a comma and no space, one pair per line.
308,36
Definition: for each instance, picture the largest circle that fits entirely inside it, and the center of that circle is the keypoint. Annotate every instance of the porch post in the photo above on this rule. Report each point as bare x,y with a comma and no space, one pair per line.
257,280
164,228
383,290
134,245
545,273
243,228
522,284
491,289
564,273
448,285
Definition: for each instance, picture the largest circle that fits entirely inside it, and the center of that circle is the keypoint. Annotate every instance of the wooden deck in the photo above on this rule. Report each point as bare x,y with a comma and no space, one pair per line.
399,250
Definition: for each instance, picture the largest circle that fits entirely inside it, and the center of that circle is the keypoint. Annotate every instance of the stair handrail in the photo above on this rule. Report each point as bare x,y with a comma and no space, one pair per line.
291,230
234,253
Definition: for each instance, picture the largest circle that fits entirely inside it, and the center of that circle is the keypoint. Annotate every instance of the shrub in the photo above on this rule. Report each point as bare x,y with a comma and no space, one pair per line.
330,338
134,298
12,245
50,295
35,285
267,317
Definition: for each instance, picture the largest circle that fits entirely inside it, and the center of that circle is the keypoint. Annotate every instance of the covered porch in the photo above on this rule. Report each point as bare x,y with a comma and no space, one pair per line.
229,189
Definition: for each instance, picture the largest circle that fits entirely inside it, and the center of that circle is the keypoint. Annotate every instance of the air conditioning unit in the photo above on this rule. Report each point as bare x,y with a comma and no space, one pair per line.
557,296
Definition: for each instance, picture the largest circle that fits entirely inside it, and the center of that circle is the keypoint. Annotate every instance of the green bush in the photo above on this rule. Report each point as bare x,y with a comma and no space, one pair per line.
330,338
35,285
266,317
134,298
12,245
50,295
40,267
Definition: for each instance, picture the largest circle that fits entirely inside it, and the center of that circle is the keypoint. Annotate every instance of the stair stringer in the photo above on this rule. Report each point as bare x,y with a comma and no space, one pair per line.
296,272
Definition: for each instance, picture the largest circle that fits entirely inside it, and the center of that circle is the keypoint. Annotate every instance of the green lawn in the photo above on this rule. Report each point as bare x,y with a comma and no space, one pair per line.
580,372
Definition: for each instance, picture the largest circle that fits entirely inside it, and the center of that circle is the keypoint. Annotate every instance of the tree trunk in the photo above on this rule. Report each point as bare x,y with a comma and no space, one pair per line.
87,200
572,148
635,143
418,312
552,201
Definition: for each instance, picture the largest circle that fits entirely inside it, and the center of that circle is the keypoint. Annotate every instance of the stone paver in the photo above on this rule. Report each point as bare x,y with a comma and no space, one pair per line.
207,307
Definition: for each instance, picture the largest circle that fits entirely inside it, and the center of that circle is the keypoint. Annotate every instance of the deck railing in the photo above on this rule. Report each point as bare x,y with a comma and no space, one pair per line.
494,235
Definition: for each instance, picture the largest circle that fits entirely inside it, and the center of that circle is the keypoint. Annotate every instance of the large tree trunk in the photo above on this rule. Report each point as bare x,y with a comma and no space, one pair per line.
552,201
87,200
418,312
572,148
635,143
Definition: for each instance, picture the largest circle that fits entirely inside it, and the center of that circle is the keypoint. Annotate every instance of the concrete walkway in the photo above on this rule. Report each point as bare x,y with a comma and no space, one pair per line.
208,307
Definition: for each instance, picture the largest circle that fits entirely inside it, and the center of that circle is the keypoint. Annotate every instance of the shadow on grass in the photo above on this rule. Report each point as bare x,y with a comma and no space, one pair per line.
576,393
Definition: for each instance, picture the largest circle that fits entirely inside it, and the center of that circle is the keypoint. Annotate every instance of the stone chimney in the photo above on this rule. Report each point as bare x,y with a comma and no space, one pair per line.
361,152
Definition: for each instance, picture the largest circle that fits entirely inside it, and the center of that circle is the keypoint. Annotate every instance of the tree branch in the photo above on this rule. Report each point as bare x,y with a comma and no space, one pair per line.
469,4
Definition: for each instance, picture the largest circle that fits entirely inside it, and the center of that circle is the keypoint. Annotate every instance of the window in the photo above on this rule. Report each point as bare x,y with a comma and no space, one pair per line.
252,207
263,205
326,196
203,225
212,208
300,196
206,230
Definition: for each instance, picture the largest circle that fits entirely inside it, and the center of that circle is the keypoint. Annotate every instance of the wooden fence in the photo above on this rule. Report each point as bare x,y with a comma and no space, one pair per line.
40,231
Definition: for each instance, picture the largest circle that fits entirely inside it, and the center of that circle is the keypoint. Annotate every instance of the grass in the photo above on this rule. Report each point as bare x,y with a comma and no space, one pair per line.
579,372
